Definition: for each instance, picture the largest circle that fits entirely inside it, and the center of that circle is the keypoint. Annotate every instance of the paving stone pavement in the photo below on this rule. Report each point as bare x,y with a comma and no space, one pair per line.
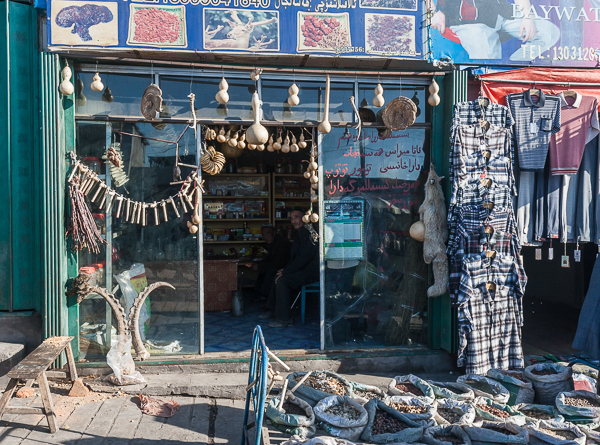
119,421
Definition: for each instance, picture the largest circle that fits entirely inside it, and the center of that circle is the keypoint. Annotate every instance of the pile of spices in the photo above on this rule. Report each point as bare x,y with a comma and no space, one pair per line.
386,424
543,371
449,415
581,402
344,410
292,408
534,414
408,408
410,388
455,440
561,434
493,410
322,382
369,395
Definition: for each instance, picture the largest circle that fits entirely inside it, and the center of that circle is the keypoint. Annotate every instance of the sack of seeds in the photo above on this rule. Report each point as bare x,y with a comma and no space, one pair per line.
449,411
579,403
451,390
295,418
497,433
446,435
485,387
591,431
413,386
363,393
555,433
413,408
548,380
497,412
386,425
535,413
319,385
520,389
342,417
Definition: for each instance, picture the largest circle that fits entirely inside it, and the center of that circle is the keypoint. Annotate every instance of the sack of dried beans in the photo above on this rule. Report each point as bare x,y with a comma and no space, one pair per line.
411,385
386,425
444,435
451,390
536,413
579,403
319,385
363,393
549,379
556,433
485,387
342,417
520,389
413,408
451,411
295,417
497,412
497,433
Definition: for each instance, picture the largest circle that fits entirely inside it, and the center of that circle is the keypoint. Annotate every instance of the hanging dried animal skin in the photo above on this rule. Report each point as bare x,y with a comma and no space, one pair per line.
151,102
115,166
97,84
66,87
222,96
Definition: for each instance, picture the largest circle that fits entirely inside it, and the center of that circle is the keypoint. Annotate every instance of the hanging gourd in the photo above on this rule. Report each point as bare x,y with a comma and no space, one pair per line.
255,74
221,136
293,146
312,166
434,98
325,126
285,148
257,134
242,141
378,100
233,141
270,144
302,143
107,95
306,174
277,145
227,136
314,217
208,134
96,84
260,147
294,99
313,196
251,146
306,217
81,99
66,87
222,96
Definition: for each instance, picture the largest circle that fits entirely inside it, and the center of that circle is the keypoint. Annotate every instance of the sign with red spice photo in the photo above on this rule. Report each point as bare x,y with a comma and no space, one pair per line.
389,28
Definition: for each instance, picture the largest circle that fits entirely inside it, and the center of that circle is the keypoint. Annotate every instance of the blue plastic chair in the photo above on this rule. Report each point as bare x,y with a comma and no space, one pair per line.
307,288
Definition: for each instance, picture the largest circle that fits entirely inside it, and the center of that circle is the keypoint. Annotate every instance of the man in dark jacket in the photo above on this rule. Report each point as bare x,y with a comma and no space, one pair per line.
303,268
278,249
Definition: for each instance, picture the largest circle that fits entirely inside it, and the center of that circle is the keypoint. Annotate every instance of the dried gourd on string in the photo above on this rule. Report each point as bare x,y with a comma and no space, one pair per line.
212,161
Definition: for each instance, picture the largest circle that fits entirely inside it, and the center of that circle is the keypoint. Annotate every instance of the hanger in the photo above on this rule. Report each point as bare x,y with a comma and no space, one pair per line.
483,101
534,91
570,92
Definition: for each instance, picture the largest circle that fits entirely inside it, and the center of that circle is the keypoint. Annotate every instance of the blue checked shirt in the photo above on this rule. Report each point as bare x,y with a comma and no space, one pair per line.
544,116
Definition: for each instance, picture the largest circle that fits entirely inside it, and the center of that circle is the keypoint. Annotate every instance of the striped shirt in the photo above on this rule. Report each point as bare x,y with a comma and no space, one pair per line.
543,118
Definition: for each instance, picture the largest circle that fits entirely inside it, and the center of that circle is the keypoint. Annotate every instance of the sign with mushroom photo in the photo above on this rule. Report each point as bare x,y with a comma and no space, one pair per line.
84,23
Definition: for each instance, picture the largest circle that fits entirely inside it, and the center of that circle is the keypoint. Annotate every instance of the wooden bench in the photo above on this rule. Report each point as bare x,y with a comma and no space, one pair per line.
34,367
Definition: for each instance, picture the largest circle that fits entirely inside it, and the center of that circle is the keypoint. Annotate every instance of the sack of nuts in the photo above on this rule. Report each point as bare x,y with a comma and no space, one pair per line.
386,425
485,387
579,403
549,379
451,390
520,389
497,433
556,433
413,386
489,410
413,408
451,411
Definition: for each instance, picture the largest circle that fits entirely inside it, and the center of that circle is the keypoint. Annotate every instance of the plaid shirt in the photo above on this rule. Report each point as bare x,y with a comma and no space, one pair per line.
545,116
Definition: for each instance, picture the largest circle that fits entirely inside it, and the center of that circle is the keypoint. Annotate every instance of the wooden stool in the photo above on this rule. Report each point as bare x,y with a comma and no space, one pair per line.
33,367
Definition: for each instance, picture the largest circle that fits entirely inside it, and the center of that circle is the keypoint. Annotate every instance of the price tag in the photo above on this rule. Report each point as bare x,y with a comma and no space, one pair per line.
533,129
564,261
550,253
577,256
538,254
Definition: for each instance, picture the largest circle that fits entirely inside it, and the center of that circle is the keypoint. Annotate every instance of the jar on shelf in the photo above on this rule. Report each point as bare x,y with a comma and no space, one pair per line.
93,164
289,167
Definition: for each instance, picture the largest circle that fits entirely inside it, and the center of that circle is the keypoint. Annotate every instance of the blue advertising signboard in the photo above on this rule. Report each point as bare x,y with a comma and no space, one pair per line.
382,28
516,32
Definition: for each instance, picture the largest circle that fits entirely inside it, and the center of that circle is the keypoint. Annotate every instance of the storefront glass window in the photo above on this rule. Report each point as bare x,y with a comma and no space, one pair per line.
141,255
375,276
312,97
123,97
391,91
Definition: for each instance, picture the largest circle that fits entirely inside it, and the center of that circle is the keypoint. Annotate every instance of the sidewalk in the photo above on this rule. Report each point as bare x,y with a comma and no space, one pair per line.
116,419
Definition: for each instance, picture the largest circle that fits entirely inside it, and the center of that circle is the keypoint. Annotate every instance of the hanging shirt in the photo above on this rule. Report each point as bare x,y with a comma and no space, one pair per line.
535,123
579,126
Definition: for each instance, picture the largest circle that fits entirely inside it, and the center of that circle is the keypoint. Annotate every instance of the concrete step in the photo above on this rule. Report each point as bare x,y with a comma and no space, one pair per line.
10,355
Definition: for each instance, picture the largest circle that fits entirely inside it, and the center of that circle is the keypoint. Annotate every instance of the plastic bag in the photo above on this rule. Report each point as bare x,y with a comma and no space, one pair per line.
515,416
132,282
592,434
311,395
366,388
430,435
412,433
520,389
583,382
580,411
541,437
340,426
527,409
428,396
464,409
485,387
121,362
292,424
452,390
547,387
321,440
426,417
482,434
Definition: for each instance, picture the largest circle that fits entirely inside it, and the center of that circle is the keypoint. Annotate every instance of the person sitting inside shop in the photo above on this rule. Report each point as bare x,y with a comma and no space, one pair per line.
303,268
278,254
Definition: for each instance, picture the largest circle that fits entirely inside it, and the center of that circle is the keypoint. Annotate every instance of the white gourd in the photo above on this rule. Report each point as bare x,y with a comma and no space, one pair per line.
325,126
270,144
378,100
302,143
277,145
434,98
221,136
285,148
294,99
257,134
293,146
222,96
96,84
66,87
